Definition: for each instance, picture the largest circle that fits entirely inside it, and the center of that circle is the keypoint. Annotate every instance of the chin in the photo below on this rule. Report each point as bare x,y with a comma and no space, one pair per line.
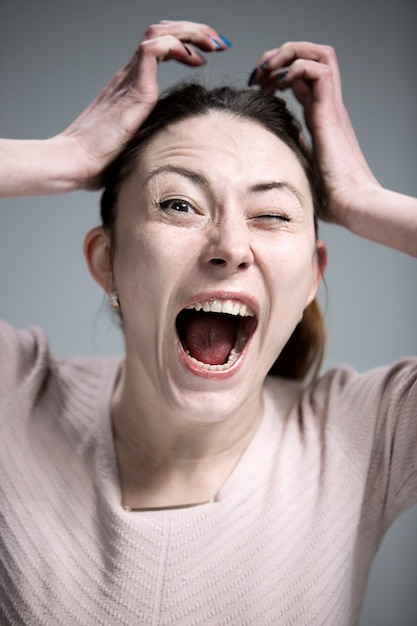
208,396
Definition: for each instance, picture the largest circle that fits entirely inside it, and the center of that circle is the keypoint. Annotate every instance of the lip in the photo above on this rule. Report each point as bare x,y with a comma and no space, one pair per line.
240,297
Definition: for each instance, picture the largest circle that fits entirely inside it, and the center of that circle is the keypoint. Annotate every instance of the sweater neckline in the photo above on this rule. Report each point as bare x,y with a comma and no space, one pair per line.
256,455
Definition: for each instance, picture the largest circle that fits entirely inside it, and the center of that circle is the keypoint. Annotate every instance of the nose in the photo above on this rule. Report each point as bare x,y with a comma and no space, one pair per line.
228,246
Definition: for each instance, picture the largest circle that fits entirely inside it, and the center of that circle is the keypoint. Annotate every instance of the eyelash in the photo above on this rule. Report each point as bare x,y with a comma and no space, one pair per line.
165,205
279,217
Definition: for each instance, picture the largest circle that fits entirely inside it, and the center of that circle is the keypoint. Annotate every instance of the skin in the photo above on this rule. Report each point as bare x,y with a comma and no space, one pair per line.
161,432
76,157
247,233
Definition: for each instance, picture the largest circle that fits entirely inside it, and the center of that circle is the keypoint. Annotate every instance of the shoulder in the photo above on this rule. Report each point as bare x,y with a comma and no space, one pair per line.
353,405
32,378
378,394
368,419
23,356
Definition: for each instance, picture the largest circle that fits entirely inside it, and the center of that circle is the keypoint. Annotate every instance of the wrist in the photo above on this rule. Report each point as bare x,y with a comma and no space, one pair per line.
386,217
349,196
362,201
66,165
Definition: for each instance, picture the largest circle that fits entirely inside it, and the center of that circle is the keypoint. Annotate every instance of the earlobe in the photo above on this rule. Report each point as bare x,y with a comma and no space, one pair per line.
321,255
97,252
319,267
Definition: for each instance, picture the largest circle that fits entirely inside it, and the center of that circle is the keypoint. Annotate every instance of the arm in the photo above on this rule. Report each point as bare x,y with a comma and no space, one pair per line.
355,199
75,158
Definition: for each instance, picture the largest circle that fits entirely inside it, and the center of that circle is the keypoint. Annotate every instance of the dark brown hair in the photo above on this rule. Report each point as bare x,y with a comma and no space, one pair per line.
303,353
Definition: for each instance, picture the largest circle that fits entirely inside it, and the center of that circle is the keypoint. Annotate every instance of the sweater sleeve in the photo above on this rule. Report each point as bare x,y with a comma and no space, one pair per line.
373,418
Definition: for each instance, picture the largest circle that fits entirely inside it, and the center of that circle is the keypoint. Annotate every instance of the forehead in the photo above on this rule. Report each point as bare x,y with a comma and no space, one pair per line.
221,146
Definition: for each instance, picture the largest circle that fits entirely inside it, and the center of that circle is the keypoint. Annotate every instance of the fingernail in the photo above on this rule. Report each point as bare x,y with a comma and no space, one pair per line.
264,65
216,43
252,77
281,77
225,41
188,49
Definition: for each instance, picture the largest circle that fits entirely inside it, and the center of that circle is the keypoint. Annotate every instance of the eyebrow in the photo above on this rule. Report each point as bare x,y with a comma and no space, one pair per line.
182,171
261,187
269,186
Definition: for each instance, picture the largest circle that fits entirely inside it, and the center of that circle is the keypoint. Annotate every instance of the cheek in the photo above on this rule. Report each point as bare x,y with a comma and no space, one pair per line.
147,262
290,260
291,278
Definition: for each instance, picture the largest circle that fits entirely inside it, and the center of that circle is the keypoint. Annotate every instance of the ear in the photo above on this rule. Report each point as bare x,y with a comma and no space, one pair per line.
97,251
319,267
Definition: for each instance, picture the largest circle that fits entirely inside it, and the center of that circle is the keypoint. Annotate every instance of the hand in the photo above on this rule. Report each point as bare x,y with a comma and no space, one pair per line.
312,72
102,130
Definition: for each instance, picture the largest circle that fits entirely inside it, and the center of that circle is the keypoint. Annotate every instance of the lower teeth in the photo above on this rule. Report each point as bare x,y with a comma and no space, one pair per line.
233,356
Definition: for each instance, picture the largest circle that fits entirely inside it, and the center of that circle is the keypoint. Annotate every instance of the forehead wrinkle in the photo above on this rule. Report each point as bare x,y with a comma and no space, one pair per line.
261,187
181,171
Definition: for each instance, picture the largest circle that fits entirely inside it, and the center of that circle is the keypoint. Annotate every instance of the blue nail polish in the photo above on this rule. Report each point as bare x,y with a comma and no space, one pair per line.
216,43
225,41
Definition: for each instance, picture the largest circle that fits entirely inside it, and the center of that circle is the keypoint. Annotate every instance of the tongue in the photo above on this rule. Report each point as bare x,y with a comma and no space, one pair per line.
210,337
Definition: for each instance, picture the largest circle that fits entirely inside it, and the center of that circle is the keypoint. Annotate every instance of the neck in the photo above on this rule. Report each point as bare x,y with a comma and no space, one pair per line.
167,458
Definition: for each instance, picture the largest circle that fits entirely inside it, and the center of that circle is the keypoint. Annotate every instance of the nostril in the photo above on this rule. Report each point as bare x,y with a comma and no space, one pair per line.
217,261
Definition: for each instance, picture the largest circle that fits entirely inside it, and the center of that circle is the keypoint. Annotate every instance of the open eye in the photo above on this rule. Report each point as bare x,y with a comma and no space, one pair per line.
178,205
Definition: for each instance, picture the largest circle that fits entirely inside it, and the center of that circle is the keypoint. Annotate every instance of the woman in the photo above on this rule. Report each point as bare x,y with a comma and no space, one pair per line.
184,485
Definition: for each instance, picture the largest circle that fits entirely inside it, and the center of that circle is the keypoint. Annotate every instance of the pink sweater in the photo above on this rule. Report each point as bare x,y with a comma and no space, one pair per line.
289,539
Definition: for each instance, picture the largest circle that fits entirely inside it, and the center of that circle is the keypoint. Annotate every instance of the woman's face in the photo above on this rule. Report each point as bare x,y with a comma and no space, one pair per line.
215,261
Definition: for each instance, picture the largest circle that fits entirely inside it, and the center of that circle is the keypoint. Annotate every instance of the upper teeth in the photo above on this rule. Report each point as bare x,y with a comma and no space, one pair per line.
230,307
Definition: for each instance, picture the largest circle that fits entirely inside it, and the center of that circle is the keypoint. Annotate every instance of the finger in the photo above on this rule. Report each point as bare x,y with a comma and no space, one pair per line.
291,51
142,75
166,48
311,72
141,69
274,62
201,35
311,81
169,40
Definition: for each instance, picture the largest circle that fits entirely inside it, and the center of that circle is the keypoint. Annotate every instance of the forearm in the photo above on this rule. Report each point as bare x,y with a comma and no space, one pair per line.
386,217
76,158
39,167
355,200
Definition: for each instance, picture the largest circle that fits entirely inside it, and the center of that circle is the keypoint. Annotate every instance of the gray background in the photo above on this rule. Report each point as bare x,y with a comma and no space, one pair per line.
55,56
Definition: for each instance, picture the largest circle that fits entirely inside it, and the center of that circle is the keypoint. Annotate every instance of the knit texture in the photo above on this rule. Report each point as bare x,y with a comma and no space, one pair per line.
289,539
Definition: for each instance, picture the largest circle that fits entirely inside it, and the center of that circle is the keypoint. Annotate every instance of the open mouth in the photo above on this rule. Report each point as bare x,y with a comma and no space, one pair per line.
214,333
